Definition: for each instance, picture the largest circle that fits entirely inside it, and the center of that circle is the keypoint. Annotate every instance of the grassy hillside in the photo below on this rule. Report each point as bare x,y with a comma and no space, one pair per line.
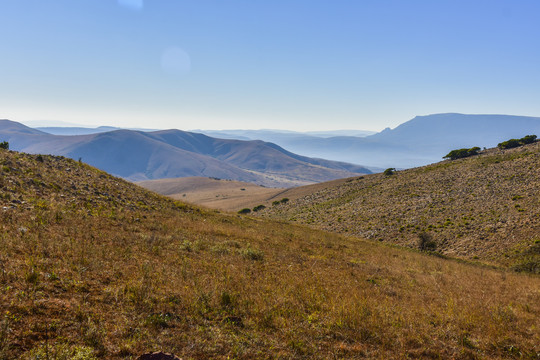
486,207
94,267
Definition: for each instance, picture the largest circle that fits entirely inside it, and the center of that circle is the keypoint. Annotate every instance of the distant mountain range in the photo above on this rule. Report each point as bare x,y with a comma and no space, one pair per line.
137,155
420,141
235,155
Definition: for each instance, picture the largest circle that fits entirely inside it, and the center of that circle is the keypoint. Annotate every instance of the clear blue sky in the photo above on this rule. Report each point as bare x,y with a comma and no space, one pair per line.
288,64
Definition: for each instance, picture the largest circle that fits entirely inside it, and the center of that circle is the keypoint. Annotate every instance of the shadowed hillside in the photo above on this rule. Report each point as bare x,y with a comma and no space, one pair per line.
92,266
485,206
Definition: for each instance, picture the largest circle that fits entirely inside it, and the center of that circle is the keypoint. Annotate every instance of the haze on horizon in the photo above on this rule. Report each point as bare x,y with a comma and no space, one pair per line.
297,65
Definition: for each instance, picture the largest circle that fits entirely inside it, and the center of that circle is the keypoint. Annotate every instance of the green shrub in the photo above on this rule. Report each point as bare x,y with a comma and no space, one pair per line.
529,139
252,254
389,171
509,144
284,200
512,143
259,207
4,145
61,352
244,211
426,242
462,153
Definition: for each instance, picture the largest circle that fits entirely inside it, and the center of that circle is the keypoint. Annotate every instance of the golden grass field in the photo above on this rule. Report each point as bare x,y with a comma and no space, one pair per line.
93,267
227,195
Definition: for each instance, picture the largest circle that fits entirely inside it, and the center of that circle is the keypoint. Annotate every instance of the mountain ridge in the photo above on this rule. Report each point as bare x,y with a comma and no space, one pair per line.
138,155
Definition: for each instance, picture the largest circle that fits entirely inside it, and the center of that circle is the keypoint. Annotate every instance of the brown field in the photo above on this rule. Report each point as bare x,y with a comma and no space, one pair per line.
227,195
94,267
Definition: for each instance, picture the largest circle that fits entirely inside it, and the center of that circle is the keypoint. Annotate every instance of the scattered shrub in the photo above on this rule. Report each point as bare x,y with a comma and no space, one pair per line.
244,211
284,200
61,352
529,139
426,242
389,171
277,202
512,143
4,145
462,153
158,321
253,254
259,207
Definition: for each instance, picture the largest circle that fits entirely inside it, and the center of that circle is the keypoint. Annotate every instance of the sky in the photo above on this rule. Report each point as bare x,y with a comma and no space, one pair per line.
266,64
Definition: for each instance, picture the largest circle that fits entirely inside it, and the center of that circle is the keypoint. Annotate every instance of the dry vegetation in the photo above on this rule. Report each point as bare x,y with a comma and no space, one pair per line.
227,195
485,207
94,267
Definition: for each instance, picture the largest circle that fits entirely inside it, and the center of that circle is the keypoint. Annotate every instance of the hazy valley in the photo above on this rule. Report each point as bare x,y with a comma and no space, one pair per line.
417,142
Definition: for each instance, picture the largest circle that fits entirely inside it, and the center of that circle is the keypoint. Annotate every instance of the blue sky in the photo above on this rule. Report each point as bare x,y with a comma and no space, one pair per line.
252,64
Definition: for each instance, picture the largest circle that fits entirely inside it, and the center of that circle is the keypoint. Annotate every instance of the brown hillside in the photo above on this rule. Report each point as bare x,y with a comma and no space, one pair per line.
228,195
94,267
487,206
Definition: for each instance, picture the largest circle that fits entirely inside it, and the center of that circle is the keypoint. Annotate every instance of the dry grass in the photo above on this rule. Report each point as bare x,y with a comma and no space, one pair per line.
93,266
485,207
227,195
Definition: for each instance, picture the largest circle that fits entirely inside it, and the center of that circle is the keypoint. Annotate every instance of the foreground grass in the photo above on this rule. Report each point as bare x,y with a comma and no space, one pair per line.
107,270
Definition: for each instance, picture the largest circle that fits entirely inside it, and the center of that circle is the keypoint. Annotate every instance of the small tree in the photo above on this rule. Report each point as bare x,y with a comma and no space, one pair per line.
462,153
389,171
244,211
512,143
426,242
4,145
259,207
509,144
529,139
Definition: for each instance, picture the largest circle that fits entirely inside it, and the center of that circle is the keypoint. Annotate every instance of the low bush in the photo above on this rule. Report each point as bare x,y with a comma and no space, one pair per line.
259,207
244,211
389,171
462,153
426,242
512,143
4,145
